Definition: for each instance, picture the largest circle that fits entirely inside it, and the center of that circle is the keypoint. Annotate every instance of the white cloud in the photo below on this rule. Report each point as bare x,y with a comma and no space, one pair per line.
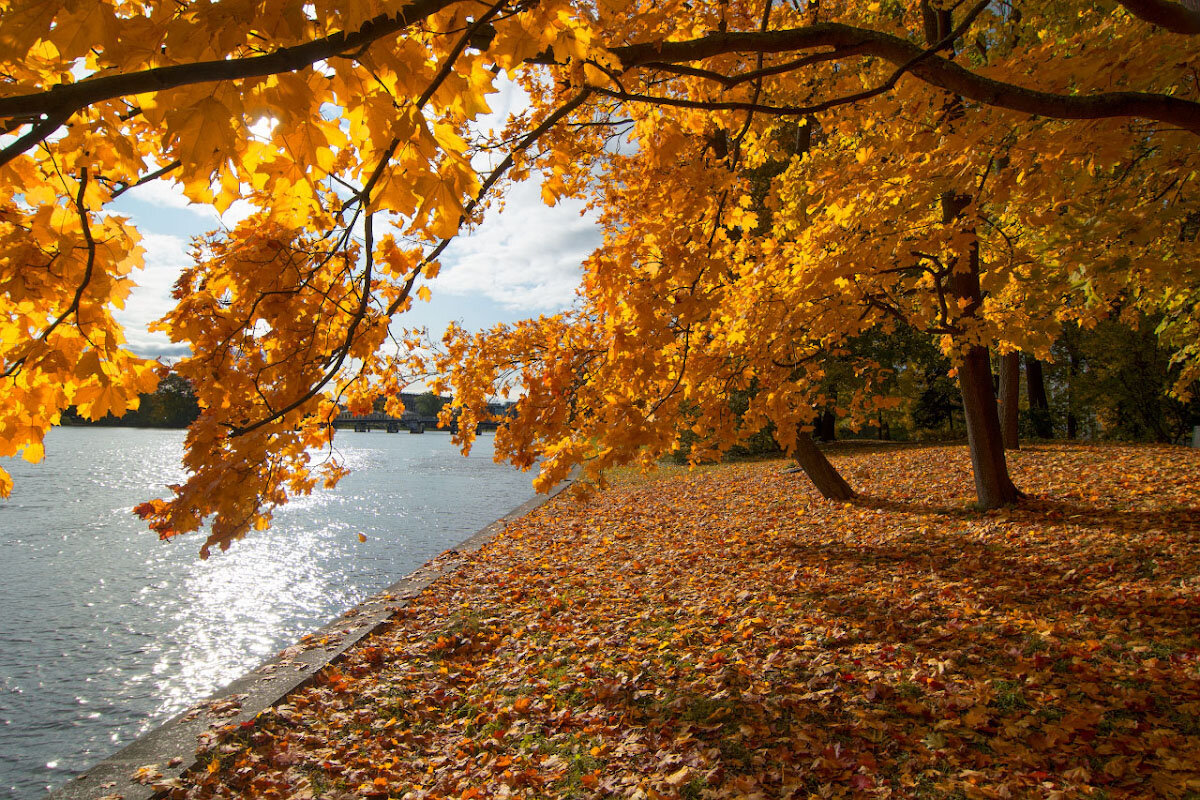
238,210
527,257
151,299
167,194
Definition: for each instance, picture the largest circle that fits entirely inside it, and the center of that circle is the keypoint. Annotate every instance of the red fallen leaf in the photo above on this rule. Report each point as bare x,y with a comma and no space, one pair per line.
522,705
630,676
860,781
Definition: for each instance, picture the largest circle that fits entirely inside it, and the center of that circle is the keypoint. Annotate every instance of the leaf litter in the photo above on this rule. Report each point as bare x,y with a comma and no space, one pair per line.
724,632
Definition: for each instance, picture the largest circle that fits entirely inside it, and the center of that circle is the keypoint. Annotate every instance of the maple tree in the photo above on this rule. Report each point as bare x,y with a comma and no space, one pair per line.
773,178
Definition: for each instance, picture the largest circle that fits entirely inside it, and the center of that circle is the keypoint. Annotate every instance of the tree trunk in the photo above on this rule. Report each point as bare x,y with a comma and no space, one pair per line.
816,466
1072,372
1010,392
993,486
827,426
1039,403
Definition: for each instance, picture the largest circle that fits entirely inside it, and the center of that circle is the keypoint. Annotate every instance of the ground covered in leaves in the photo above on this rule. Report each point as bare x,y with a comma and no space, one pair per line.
727,633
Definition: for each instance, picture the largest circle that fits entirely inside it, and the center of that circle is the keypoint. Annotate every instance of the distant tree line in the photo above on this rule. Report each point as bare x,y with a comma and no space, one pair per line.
1110,382
172,405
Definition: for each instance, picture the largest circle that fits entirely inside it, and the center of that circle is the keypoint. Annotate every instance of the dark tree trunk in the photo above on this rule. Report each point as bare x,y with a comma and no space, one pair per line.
1010,392
816,466
827,426
1072,372
993,486
1039,403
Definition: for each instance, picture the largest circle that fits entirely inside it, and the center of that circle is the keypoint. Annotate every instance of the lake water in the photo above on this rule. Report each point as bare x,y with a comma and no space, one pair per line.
105,631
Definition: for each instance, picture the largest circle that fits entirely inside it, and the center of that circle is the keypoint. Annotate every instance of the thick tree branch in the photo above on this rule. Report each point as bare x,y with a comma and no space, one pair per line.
1172,16
933,69
63,100
35,134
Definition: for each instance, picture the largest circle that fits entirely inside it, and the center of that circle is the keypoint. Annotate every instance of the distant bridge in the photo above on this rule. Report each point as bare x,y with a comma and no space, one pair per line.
413,423
377,420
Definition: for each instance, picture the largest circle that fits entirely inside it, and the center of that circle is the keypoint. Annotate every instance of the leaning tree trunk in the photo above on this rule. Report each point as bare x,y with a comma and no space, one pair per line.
816,466
1039,403
1010,392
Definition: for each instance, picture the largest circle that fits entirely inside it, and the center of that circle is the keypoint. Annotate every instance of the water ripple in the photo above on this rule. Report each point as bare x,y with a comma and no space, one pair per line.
106,631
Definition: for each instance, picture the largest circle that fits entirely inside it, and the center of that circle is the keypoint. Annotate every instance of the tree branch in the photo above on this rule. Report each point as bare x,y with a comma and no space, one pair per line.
89,267
60,101
36,134
930,68
1172,16
496,174
158,173
338,358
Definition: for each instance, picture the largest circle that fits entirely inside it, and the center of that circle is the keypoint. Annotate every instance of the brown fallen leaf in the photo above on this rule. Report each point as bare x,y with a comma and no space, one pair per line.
679,776
146,775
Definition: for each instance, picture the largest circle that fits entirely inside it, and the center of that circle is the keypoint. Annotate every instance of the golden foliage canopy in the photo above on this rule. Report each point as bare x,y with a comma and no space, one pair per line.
772,179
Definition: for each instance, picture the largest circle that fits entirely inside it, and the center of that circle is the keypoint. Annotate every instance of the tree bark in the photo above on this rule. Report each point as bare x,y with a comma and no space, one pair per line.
1010,392
993,486
816,466
1039,403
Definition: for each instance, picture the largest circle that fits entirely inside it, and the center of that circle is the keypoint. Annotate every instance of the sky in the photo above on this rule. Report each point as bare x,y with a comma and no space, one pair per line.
520,262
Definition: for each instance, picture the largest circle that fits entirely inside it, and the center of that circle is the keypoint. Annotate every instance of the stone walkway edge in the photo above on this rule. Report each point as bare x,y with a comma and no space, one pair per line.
174,742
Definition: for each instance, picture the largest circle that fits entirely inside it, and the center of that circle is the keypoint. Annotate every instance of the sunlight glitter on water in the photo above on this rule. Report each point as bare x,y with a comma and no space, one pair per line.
106,631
